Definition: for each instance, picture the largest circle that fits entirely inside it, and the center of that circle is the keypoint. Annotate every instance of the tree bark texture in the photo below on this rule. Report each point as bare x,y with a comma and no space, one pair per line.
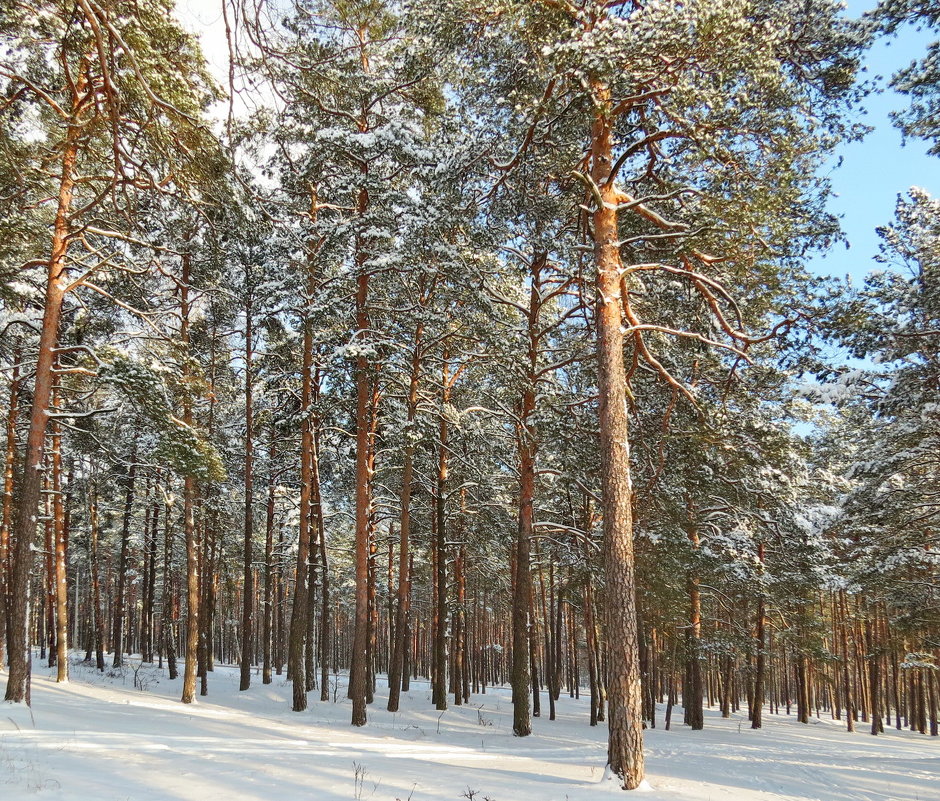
625,711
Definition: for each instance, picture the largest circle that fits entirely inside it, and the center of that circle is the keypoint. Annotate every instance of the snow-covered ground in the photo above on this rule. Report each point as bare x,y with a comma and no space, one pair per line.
100,737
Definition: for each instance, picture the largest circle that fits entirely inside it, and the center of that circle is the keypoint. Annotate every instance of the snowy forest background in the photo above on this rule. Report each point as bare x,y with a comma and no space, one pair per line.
469,342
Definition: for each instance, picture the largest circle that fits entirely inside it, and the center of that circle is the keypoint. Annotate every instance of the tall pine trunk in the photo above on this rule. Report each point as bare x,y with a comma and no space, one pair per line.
693,692
625,698
189,495
439,661
268,623
150,576
6,517
358,668
98,626
522,662
757,707
358,674
30,481
403,595
248,589
325,638
522,586
299,610
60,536
120,599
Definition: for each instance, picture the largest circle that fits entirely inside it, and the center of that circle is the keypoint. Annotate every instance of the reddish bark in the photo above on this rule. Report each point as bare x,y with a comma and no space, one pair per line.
625,739
30,483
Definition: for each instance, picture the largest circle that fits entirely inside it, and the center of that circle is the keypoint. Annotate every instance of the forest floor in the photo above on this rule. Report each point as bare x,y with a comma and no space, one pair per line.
123,735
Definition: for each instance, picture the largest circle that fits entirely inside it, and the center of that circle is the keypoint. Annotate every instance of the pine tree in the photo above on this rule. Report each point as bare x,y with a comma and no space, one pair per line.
87,101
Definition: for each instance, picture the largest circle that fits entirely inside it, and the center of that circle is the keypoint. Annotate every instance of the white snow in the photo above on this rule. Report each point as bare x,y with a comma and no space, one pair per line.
98,737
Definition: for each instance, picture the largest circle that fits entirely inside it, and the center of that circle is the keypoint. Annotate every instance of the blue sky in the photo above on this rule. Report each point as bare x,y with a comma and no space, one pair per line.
873,172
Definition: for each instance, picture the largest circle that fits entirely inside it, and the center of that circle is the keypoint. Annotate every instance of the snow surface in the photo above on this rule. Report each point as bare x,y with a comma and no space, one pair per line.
99,737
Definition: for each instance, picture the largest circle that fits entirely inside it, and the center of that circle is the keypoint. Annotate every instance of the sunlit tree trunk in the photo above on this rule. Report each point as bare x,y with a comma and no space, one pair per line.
358,669
47,637
268,626
298,620
761,659
248,587
372,589
6,517
439,661
189,495
324,574
625,698
401,633
522,586
317,549
60,536
363,495
30,480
